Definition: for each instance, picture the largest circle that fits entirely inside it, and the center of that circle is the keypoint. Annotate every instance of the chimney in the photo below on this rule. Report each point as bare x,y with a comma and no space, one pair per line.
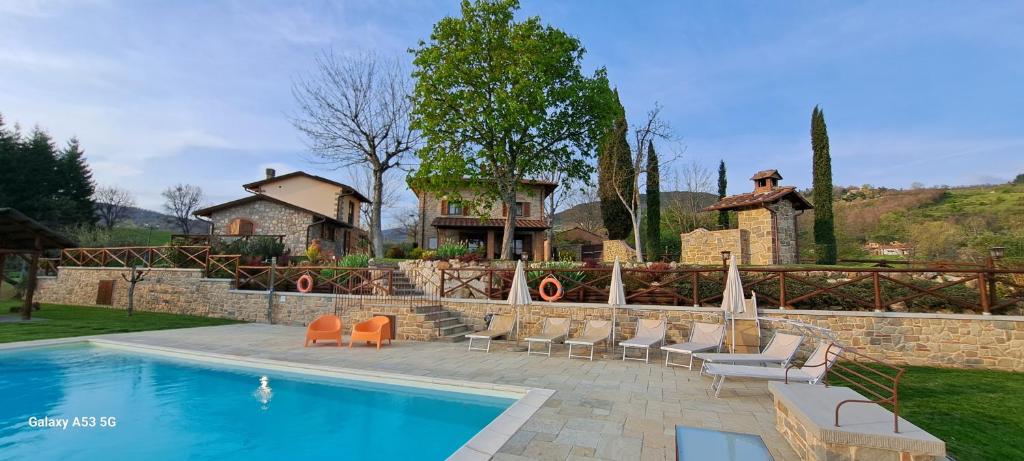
766,181
271,173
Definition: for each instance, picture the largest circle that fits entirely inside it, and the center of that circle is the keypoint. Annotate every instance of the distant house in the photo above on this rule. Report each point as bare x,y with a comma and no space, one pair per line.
296,207
578,243
577,234
889,249
447,220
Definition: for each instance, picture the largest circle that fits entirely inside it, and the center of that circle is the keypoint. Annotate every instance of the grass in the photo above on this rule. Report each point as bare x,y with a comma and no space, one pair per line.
978,413
991,200
138,236
64,321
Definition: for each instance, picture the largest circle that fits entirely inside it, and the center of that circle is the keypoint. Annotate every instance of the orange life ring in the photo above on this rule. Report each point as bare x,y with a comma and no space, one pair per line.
305,283
558,289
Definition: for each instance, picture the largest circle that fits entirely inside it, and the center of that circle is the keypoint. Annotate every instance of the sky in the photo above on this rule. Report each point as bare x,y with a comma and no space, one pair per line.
200,91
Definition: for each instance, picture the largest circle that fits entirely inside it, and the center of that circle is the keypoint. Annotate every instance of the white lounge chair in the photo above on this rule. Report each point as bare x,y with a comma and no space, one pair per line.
555,329
501,325
780,350
594,332
811,372
703,337
649,333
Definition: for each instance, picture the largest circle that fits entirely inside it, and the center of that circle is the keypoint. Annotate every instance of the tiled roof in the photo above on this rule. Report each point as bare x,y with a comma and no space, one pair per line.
348,190
766,174
757,198
447,221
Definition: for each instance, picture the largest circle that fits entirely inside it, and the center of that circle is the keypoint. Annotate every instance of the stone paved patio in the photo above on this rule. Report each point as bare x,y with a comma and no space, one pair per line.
606,409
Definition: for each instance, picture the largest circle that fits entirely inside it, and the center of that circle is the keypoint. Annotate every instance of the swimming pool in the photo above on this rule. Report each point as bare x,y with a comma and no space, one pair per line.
84,402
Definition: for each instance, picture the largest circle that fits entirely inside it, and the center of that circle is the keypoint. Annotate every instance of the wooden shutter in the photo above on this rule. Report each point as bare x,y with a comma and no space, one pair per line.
444,207
504,209
105,293
526,209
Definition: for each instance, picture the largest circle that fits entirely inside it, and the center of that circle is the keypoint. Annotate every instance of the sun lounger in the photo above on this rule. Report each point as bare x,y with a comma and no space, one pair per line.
594,332
376,330
324,327
649,333
703,337
811,372
501,325
780,350
555,329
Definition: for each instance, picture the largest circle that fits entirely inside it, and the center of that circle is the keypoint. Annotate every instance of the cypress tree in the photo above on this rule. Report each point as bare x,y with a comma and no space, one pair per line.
76,187
723,216
653,204
615,165
824,220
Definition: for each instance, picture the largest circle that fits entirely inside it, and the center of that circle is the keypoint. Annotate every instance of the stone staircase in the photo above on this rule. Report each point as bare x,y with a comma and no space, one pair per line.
445,325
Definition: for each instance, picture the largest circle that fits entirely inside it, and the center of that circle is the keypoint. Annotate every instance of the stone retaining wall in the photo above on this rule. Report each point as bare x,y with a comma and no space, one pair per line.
949,340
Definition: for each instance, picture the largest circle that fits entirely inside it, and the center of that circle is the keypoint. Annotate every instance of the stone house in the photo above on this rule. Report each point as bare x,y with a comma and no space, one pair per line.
767,229
447,220
889,249
297,208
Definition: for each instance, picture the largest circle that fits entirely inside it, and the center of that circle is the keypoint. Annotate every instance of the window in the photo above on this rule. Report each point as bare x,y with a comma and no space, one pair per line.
454,208
351,213
240,226
327,232
522,210
432,243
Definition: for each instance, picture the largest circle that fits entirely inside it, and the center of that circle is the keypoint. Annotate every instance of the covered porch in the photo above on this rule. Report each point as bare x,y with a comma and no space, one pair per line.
488,234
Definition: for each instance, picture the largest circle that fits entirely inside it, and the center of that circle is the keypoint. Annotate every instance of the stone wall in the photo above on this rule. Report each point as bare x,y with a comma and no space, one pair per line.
785,231
269,218
617,249
431,204
946,340
705,247
756,224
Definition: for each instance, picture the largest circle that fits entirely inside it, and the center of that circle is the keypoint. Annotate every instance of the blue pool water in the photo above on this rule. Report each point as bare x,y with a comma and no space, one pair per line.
165,409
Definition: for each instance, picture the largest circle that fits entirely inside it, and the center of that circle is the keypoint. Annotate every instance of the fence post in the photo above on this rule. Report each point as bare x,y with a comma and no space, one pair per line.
441,285
877,285
983,293
782,290
696,290
270,292
391,282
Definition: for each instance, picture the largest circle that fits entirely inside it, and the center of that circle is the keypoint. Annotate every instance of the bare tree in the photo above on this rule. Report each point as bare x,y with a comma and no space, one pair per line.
408,219
557,198
112,204
181,201
652,128
684,211
362,179
586,205
355,112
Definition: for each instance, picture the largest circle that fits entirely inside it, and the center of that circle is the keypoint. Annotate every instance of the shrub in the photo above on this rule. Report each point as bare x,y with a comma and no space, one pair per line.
264,247
313,252
451,250
395,252
355,260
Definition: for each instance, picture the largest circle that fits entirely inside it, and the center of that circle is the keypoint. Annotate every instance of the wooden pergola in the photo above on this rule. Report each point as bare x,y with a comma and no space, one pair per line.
26,238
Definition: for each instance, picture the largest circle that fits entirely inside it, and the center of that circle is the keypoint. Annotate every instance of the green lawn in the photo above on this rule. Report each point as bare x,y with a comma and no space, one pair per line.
978,413
138,236
66,321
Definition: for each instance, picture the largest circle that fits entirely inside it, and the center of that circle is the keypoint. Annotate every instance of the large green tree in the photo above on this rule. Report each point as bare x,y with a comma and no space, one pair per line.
653,217
77,187
499,100
723,185
615,170
824,220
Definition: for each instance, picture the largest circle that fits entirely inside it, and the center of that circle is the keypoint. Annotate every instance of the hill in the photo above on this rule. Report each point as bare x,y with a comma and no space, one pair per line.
591,211
941,224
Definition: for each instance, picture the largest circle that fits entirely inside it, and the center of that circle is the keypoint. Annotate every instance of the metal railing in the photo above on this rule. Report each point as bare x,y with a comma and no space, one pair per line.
878,380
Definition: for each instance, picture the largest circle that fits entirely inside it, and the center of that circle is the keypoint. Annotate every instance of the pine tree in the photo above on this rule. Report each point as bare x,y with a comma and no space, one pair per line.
723,216
33,186
10,141
77,187
653,204
824,221
614,164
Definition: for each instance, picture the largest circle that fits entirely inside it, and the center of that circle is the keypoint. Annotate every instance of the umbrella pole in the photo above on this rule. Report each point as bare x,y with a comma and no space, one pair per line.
733,333
614,307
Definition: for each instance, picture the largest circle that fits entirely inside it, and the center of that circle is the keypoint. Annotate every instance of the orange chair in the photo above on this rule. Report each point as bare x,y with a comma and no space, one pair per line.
377,329
324,327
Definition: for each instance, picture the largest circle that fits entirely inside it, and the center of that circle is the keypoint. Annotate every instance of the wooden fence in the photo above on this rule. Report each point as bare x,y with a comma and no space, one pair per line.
869,288
173,256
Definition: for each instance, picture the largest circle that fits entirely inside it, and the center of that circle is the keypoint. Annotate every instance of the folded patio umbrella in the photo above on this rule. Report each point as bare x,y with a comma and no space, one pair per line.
616,294
519,295
732,298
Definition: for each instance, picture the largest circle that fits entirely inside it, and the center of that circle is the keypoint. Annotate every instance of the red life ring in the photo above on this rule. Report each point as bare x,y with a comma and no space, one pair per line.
558,289
305,283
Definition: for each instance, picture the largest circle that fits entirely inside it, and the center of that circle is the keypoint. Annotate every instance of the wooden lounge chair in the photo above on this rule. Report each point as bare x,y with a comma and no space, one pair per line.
375,330
324,327
555,329
811,372
501,325
703,337
594,332
780,350
649,333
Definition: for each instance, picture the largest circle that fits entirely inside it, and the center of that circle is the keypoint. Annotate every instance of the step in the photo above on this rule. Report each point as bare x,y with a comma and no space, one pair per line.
447,321
453,338
454,329
428,309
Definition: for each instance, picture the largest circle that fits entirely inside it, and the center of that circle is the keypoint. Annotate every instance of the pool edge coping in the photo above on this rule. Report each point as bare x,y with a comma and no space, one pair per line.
482,446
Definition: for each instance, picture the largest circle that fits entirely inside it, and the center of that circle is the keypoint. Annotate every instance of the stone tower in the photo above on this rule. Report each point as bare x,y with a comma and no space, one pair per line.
766,233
